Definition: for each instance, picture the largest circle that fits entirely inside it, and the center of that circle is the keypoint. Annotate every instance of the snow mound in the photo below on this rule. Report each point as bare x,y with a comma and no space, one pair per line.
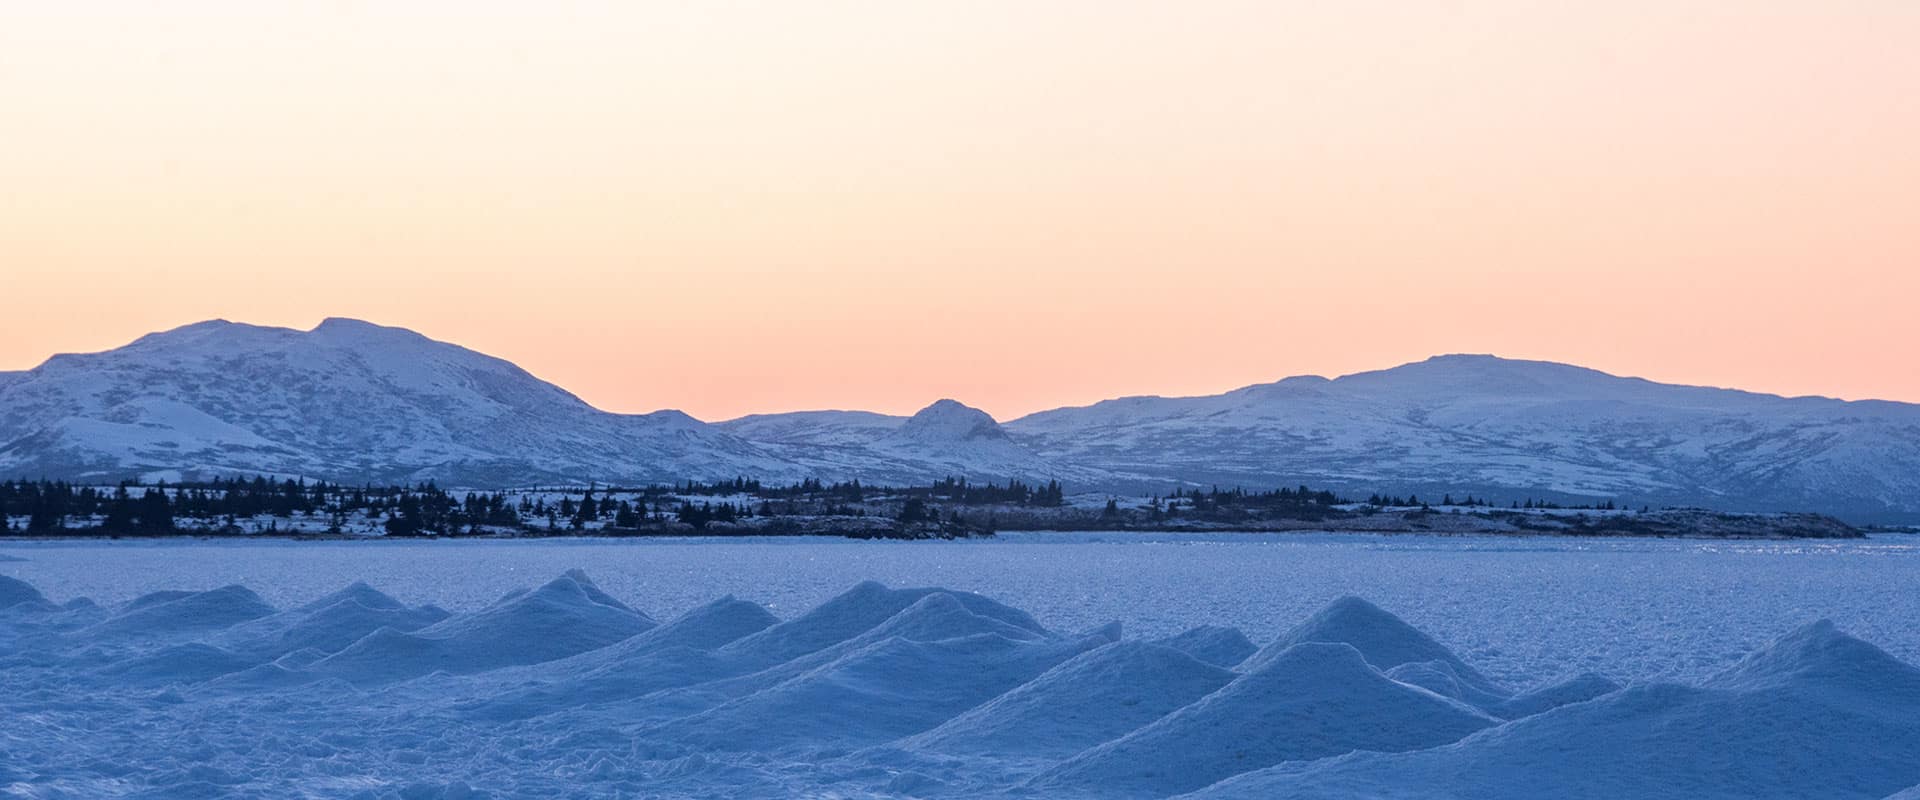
182,663
1309,701
1817,714
14,592
153,598
1819,655
852,613
1578,689
885,690
561,690
711,626
567,616
1384,639
1443,678
358,592
1215,644
674,654
935,615
328,628
174,613
1097,696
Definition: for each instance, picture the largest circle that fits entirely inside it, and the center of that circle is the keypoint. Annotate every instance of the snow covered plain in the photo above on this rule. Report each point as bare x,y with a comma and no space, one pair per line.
1474,667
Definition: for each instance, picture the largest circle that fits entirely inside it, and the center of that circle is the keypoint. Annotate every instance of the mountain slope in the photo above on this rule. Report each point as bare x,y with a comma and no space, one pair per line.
347,400
945,439
353,401
1495,426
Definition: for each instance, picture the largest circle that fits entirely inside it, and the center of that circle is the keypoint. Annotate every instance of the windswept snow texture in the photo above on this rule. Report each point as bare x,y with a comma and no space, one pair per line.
563,690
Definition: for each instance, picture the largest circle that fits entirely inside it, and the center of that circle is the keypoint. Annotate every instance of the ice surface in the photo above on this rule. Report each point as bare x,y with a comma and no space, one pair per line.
565,690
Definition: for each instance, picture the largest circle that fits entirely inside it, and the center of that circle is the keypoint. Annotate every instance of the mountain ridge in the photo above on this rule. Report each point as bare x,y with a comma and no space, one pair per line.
353,400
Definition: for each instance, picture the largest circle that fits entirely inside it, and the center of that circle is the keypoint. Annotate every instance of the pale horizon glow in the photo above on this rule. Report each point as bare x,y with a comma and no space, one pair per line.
740,208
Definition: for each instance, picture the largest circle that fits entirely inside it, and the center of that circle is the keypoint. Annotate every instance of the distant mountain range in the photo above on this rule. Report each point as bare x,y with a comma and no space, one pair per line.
353,401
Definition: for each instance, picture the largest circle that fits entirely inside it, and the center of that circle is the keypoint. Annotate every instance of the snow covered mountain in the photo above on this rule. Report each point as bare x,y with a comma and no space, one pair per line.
347,400
1492,426
353,401
945,439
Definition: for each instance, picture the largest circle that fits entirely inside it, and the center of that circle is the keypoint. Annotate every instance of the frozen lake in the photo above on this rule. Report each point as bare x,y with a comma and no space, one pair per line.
1525,611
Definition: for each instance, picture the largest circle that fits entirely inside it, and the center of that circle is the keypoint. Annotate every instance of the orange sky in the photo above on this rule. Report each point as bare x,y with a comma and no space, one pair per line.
740,207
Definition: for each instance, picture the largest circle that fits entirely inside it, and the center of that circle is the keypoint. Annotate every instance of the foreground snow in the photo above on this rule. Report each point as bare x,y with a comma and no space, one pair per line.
565,690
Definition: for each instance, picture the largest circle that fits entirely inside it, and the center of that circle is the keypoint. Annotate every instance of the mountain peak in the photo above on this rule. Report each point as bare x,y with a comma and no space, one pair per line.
952,420
355,331
348,323
1481,374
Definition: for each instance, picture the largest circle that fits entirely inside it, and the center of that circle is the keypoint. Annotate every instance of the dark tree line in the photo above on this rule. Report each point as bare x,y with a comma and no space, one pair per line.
135,509
1300,499
959,490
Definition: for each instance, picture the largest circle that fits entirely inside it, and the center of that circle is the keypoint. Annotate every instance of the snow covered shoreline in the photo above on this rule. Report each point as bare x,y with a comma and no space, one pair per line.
565,690
1662,524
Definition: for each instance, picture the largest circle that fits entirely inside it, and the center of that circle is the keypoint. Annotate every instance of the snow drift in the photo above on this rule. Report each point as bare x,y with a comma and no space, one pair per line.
563,690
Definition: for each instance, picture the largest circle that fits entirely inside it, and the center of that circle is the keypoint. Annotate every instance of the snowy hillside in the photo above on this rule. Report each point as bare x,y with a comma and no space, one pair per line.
1502,427
941,440
347,400
945,439
353,401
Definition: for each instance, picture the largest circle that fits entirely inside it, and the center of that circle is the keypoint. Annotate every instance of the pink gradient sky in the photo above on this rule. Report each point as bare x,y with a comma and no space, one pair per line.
740,207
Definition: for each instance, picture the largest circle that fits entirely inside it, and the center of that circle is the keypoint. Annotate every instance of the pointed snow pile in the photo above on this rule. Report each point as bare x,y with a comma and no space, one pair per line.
681,680
1819,657
358,592
713,625
567,616
1817,714
1095,697
1217,645
927,664
674,654
328,625
1383,639
1311,700
175,613
1387,642
933,615
852,613
1578,689
15,592
1410,656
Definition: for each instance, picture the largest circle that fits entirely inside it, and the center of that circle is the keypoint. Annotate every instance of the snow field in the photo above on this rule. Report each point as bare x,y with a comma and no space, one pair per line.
563,690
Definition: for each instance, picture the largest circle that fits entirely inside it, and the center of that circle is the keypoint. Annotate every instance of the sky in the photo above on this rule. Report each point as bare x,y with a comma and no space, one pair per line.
734,207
